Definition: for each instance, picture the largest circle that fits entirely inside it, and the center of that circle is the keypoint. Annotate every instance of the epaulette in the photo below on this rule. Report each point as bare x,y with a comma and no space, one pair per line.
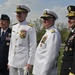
30,24
52,30
14,23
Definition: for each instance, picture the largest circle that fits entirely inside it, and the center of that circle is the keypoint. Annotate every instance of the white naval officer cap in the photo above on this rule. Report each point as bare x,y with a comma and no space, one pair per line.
48,13
22,8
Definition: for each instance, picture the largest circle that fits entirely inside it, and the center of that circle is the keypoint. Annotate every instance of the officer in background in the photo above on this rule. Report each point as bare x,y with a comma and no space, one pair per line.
47,52
68,59
23,43
5,34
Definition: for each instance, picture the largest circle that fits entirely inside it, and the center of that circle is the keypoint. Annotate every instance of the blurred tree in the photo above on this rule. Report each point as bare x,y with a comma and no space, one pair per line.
64,31
39,29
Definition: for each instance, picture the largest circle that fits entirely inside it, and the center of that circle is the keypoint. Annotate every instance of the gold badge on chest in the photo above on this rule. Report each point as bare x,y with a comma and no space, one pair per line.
22,33
43,40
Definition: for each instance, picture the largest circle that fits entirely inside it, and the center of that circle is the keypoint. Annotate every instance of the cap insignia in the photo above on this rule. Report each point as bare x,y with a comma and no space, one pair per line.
45,12
69,9
18,6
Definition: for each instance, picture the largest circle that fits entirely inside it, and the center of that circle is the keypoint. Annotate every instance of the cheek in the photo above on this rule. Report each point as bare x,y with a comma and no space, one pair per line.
74,21
71,23
45,22
3,23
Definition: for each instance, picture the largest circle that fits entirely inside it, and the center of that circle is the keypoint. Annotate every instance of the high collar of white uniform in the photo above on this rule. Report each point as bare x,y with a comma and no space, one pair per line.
23,23
50,28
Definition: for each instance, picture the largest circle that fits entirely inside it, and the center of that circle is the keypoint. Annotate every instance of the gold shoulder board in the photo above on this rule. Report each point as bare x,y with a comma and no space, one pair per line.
31,25
15,23
52,30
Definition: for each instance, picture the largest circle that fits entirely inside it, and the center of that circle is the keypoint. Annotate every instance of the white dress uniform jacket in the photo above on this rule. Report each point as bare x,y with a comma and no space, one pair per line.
47,52
22,47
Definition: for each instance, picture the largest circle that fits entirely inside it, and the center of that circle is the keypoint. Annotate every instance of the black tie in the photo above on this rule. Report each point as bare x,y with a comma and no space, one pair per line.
2,33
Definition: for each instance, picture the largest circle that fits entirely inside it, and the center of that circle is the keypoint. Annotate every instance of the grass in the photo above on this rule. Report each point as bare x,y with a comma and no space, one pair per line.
59,60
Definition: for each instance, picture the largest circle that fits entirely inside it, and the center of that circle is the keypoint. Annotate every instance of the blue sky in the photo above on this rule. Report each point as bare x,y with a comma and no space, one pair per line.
37,6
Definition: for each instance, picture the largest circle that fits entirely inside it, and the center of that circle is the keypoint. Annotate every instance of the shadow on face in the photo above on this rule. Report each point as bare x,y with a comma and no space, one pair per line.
21,16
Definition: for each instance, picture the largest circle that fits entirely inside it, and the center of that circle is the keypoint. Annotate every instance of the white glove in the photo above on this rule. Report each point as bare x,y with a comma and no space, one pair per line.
26,72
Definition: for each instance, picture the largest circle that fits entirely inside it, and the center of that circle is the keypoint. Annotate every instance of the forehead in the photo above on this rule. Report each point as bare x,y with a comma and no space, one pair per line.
3,20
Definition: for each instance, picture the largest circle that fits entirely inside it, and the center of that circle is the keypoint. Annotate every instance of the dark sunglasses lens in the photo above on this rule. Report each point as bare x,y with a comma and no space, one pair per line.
45,18
71,17
18,12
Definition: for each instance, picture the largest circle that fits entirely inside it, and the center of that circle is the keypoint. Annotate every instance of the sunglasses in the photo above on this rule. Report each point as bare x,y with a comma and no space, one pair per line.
46,18
20,12
71,17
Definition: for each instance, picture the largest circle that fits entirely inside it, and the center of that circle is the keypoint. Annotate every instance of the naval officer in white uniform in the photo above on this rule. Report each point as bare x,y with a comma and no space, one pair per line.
23,43
47,52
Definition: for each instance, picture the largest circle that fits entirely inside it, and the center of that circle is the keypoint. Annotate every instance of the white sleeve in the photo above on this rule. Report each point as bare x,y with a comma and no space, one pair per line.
32,45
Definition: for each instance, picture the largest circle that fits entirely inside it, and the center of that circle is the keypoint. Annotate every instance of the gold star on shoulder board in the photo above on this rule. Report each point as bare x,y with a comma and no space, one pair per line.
52,31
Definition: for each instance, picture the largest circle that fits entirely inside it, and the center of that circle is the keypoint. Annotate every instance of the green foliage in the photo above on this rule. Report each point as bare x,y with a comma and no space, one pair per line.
64,31
40,33
59,60
64,34
39,30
